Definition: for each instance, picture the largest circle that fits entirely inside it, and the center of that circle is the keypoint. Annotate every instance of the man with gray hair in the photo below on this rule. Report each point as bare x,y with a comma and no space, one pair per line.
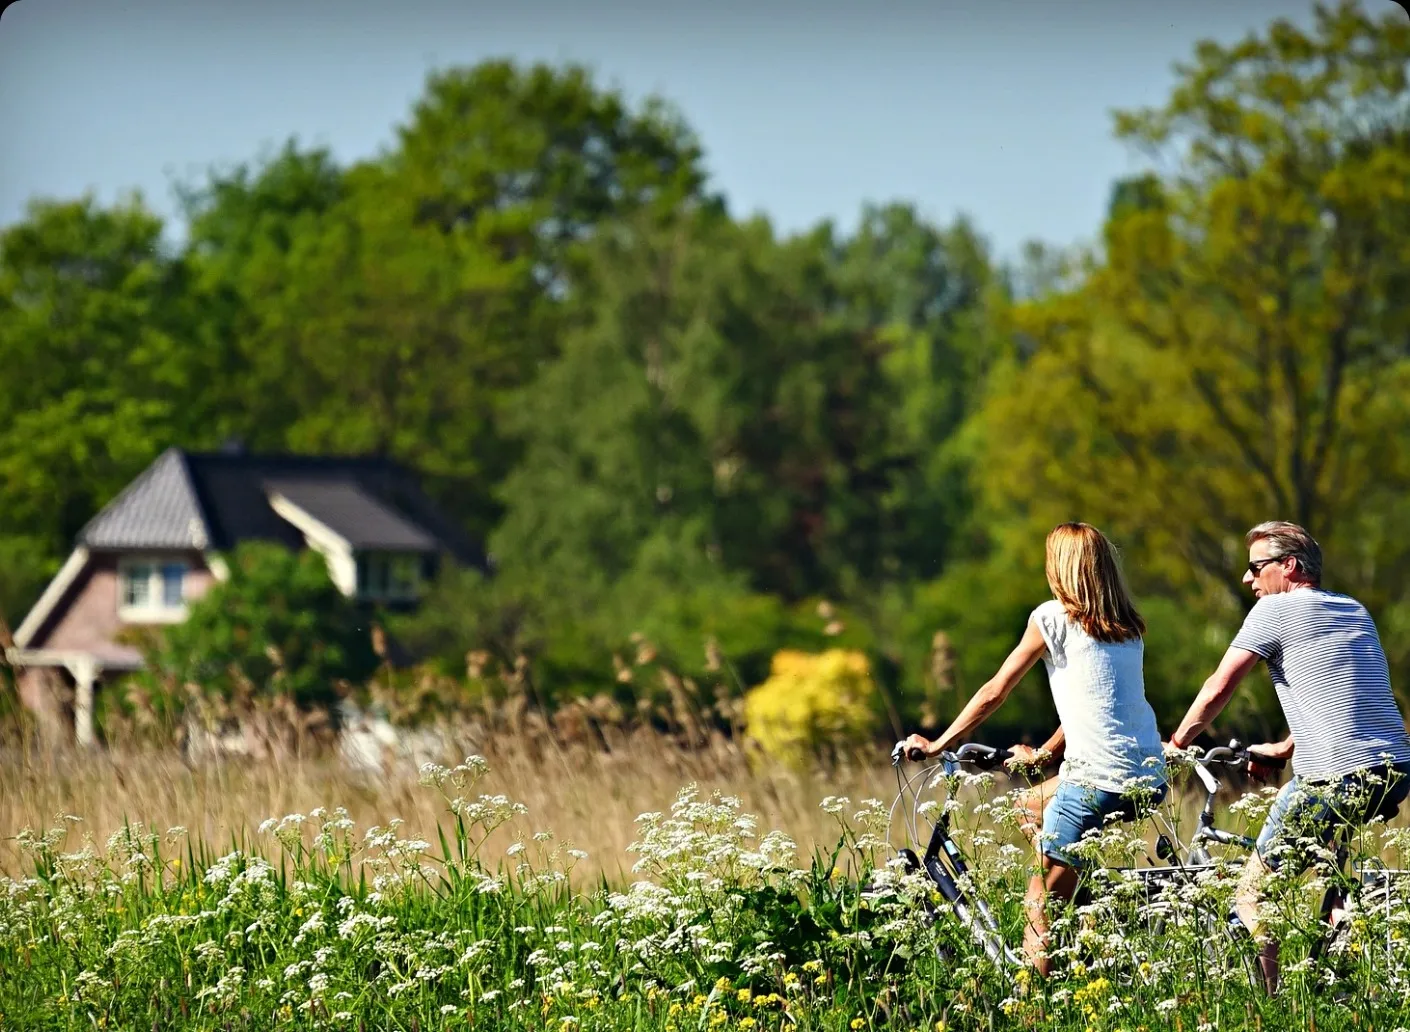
1347,738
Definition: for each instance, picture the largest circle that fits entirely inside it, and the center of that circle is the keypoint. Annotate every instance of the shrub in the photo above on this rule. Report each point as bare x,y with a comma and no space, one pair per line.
277,627
812,704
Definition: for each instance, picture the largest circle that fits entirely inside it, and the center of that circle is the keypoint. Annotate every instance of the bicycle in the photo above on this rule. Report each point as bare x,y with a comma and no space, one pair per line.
1356,885
948,870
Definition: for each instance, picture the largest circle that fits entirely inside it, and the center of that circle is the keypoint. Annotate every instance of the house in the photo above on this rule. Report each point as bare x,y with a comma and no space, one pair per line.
157,547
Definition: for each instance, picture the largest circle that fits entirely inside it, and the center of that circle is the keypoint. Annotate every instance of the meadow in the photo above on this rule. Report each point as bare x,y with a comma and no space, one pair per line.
542,886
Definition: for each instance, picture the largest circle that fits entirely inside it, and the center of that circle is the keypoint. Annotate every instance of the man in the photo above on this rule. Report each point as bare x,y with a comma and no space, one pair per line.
1347,740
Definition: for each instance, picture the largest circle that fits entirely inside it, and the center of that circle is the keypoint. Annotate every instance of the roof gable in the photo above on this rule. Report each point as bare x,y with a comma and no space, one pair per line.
346,509
216,500
159,509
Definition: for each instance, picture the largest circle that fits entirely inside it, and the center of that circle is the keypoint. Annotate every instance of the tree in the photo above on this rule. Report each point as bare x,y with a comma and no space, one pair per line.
392,307
1238,353
277,627
99,375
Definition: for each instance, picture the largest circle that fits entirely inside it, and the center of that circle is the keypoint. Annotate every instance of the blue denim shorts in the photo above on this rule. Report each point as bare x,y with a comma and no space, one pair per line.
1316,810
1074,810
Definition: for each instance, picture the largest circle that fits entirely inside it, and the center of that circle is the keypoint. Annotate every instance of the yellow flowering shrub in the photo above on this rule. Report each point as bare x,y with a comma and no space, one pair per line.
811,703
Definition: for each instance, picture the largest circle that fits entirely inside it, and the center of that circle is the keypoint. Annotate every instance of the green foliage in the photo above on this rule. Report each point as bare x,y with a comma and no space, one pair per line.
724,925
98,375
26,563
276,627
679,431
1237,354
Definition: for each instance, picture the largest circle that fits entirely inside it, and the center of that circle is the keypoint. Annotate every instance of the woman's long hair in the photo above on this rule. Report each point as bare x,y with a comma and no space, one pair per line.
1085,576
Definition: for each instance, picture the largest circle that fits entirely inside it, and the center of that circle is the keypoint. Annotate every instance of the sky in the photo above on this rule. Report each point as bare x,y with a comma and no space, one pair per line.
998,109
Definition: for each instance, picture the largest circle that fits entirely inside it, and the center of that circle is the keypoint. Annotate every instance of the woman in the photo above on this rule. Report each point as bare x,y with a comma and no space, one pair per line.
1090,638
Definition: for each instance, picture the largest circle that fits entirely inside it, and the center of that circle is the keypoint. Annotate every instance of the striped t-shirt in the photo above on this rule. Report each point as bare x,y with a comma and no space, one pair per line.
1330,671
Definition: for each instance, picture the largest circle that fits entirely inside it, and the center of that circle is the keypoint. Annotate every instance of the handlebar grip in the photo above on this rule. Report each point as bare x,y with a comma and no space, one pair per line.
982,756
899,752
1235,754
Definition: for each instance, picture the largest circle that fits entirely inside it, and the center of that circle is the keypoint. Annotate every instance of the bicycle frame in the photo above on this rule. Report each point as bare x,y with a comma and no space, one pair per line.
945,865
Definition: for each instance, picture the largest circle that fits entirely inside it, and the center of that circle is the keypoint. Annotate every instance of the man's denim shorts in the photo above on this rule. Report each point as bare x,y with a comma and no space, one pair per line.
1316,810
1074,810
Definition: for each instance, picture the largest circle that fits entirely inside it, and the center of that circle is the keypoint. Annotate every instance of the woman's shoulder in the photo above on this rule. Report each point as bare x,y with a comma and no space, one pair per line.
1051,620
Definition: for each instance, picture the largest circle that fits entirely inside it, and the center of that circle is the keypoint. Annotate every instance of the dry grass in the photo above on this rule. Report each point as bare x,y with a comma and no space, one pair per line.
588,795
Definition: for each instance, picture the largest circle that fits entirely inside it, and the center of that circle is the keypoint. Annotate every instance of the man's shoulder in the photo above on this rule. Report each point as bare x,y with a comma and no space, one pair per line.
1315,599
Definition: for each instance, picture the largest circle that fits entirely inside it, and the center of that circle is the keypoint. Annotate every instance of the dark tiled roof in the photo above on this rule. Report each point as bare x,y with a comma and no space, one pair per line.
350,512
217,500
157,510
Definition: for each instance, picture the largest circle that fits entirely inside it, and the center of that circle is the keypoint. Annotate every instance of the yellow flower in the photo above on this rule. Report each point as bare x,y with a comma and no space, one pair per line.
674,1009
941,1026
722,984
812,965
821,979
858,1023
747,1022
744,995
791,978
808,698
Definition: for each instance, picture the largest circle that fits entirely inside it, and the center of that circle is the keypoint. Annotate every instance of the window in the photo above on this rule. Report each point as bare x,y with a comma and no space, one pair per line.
137,586
389,576
151,590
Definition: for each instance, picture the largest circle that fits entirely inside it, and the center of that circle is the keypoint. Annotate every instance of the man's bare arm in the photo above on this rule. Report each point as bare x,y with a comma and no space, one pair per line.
1214,695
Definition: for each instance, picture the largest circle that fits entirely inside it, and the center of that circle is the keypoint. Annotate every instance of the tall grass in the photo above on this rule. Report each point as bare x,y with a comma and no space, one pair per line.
286,894
584,794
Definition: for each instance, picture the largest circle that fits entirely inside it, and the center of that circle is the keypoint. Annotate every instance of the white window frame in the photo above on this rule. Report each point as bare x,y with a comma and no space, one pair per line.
388,561
155,609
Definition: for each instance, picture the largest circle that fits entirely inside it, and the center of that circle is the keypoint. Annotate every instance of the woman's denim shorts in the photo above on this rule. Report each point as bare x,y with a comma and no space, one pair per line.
1075,810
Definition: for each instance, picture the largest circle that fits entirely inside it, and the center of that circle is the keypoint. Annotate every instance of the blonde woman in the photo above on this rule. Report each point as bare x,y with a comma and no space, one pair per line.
1091,640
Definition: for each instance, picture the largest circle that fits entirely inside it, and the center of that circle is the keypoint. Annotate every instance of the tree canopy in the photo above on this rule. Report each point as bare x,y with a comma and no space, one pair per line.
682,432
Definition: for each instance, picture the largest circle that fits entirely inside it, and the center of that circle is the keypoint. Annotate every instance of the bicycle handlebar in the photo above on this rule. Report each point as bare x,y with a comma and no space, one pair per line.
985,757
1235,754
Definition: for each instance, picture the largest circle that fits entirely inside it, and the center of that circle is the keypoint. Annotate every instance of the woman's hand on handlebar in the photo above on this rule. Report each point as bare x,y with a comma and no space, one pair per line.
918,747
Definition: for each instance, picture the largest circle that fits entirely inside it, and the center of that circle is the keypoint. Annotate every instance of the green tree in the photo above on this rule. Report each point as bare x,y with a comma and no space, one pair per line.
1238,352
276,627
94,350
393,306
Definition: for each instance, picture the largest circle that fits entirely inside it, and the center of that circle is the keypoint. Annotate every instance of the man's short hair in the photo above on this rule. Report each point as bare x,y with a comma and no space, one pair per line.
1286,539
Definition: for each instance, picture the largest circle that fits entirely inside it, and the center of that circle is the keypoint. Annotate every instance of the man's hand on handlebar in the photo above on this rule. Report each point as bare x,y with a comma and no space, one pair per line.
1028,756
1264,760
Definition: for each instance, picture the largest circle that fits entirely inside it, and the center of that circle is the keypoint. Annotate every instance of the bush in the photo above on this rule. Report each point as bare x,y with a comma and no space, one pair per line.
277,627
812,705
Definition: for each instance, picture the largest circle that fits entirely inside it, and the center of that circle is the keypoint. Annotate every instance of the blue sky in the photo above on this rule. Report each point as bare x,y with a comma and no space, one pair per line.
996,108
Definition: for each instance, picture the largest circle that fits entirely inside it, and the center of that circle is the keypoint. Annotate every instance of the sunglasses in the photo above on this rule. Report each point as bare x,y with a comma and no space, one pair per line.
1256,567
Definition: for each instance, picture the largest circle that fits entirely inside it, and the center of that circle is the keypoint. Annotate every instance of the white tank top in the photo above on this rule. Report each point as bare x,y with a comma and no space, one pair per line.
1099,691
